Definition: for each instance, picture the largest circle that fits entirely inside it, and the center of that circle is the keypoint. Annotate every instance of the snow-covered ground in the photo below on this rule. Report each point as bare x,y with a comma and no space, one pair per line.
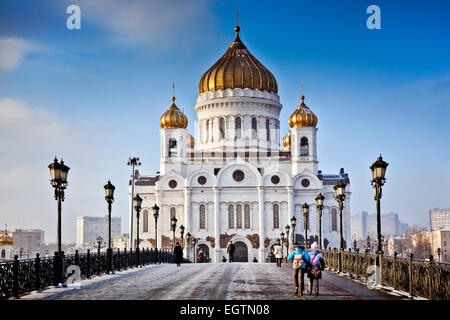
209,281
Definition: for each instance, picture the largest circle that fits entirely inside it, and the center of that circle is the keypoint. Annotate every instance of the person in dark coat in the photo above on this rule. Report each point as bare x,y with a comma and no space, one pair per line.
317,266
178,253
230,251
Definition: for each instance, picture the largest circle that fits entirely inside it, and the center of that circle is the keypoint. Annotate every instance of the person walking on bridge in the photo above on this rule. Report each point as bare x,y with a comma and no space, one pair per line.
277,251
300,260
178,253
317,266
230,251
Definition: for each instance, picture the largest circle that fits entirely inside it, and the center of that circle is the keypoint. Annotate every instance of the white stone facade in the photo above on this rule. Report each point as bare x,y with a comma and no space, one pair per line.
202,186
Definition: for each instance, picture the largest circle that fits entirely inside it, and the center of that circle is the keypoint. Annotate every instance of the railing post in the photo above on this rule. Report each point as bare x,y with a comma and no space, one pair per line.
125,258
77,258
410,274
15,289
37,272
394,265
430,278
56,269
88,267
357,263
118,259
98,261
380,259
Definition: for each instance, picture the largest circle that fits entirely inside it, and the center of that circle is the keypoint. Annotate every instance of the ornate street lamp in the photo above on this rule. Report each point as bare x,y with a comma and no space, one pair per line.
319,206
156,216
194,242
305,222
188,244
182,235
293,223
378,169
133,162
137,207
339,188
282,240
287,228
109,197
174,227
58,174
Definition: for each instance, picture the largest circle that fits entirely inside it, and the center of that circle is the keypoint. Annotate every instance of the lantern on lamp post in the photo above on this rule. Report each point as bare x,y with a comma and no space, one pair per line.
137,207
339,188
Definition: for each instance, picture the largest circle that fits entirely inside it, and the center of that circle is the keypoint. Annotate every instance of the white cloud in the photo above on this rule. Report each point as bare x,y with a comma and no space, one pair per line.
13,51
156,22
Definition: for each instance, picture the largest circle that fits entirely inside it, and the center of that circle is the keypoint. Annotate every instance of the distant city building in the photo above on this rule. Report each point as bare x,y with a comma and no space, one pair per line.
440,239
365,224
89,228
121,241
439,218
27,239
397,244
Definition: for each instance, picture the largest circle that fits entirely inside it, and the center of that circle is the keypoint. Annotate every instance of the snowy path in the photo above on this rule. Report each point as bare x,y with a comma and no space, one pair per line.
209,281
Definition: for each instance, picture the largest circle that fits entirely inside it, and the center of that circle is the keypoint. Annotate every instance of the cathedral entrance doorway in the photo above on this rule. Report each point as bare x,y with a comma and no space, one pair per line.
240,252
205,250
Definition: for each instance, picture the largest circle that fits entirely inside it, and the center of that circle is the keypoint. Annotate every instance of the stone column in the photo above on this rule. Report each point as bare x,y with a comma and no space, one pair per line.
216,224
262,231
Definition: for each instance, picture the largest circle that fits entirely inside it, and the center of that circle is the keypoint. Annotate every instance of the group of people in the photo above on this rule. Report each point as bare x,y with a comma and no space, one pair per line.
303,262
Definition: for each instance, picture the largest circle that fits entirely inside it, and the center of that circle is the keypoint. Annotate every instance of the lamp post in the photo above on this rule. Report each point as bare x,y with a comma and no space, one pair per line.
354,244
339,188
58,174
182,235
133,162
319,205
194,242
378,169
109,197
293,223
188,244
156,216
137,207
438,251
282,240
287,228
174,227
305,222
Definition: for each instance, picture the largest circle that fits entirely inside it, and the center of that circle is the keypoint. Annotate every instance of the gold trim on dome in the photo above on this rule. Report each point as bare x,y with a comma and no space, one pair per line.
190,141
6,239
173,118
238,68
302,116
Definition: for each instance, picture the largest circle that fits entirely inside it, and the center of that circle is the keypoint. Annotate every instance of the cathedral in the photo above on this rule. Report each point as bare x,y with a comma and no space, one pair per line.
234,182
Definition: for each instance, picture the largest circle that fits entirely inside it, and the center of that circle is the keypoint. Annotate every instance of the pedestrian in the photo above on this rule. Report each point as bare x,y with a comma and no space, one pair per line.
254,259
230,251
200,256
317,266
278,252
300,260
178,253
224,259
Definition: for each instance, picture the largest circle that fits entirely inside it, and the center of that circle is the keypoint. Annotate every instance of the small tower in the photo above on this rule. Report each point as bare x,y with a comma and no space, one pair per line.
174,138
6,246
303,139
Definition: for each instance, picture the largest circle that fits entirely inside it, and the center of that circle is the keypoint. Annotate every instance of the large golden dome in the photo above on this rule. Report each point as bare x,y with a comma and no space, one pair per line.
238,68
303,116
173,118
6,239
287,141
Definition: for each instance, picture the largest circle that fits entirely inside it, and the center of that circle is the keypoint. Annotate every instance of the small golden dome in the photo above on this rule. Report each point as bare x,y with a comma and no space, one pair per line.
303,116
190,142
173,118
238,68
6,239
287,141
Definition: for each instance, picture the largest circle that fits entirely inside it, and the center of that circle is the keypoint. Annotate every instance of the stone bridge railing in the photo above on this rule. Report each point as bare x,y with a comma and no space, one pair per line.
19,277
424,278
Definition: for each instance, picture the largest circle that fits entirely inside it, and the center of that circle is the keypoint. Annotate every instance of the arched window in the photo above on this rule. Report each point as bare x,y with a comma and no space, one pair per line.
254,128
276,216
267,130
231,216
202,216
172,147
304,149
247,216
237,127
145,221
333,220
3,253
208,130
173,213
222,128
239,216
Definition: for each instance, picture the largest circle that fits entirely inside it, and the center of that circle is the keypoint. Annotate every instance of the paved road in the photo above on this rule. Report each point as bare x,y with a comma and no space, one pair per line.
209,281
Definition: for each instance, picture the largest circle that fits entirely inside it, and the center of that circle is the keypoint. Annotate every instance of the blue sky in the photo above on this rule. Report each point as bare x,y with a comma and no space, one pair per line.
94,96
